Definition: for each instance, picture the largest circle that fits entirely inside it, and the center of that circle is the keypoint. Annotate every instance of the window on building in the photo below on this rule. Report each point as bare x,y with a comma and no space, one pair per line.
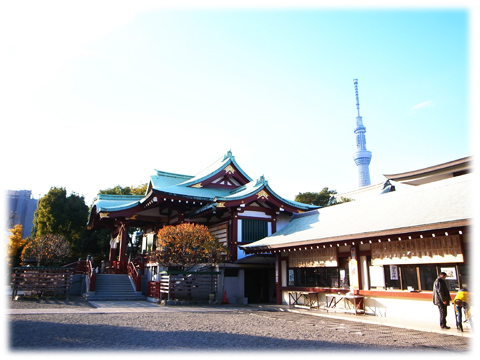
464,277
327,277
422,277
253,230
392,277
428,274
409,277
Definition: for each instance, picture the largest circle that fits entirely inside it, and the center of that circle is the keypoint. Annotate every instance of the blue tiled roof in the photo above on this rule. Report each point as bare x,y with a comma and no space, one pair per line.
204,194
170,184
107,202
215,168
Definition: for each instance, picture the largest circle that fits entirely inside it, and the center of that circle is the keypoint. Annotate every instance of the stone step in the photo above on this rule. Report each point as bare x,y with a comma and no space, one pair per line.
114,297
111,287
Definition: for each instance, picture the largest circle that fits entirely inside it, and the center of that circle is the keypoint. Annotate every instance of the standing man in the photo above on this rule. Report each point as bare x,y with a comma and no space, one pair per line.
441,298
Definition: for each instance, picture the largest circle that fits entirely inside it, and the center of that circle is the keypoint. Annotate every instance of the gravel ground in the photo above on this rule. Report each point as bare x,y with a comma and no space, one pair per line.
190,329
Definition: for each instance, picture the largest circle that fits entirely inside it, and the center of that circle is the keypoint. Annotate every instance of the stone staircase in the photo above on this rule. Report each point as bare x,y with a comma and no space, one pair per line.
114,287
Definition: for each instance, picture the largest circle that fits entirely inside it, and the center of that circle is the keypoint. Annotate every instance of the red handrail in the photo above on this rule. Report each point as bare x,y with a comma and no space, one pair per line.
136,277
78,266
135,269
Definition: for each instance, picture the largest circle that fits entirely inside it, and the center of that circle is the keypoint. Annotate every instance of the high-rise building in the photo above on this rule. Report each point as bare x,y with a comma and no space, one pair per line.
362,156
21,209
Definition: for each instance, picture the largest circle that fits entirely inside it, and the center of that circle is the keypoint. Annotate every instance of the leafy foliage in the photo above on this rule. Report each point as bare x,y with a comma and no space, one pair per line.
48,250
316,198
186,245
15,246
323,198
95,243
61,215
128,190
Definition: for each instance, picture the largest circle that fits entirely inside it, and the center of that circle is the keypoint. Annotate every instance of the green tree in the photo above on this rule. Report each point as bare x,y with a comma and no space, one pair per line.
187,245
323,198
95,243
48,250
128,190
15,246
60,214
316,198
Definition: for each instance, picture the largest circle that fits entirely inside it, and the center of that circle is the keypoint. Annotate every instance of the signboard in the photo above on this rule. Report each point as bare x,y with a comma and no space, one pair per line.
393,272
353,269
291,277
314,258
450,271
430,250
377,276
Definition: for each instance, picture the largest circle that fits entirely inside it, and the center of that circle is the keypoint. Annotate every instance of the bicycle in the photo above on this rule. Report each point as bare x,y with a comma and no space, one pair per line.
462,307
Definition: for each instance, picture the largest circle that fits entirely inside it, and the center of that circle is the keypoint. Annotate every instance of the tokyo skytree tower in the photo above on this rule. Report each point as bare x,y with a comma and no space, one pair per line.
362,156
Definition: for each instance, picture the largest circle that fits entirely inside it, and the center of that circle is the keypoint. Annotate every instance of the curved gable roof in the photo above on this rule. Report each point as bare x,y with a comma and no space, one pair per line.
254,187
215,168
107,202
171,185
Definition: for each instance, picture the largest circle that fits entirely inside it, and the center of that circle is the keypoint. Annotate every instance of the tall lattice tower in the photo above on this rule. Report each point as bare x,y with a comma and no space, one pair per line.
362,156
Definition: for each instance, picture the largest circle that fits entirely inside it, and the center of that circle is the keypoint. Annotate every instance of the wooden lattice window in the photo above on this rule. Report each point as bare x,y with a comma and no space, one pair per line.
253,230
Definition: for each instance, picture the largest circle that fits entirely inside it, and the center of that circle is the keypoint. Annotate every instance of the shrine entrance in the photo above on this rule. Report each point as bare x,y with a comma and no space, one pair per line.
260,285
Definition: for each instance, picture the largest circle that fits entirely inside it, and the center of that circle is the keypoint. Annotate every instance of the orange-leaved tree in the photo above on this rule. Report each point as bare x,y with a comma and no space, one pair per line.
187,245
15,246
48,250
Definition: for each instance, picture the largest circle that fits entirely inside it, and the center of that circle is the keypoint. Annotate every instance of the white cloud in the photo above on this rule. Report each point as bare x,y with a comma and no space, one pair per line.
422,105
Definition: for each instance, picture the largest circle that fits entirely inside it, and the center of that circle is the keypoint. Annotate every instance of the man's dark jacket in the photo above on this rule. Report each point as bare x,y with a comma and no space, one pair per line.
440,292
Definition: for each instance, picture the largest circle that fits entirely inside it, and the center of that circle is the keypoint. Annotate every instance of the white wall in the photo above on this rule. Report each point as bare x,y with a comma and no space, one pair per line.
234,286
282,220
417,310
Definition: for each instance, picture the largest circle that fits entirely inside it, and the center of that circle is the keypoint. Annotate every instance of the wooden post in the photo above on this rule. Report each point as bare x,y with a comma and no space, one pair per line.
354,269
278,277
234,236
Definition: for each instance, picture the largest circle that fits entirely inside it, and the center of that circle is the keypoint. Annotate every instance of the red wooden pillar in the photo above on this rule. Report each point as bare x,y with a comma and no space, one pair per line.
278,278
274,224
234,236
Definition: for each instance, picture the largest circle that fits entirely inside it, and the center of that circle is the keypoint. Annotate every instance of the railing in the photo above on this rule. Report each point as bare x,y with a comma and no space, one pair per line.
153,289
41,280
119,267
135,274
184,285
77,266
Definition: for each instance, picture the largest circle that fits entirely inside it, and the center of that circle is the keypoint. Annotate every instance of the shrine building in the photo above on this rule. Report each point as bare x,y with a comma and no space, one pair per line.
236,209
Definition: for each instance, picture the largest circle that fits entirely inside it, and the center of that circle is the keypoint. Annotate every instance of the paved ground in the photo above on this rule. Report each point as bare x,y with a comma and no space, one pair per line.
53,325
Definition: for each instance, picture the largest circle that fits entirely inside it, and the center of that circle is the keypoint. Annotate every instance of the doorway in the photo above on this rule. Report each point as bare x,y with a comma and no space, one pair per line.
260,286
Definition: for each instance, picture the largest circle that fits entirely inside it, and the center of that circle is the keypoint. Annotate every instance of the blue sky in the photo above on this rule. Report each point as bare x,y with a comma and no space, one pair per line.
97,95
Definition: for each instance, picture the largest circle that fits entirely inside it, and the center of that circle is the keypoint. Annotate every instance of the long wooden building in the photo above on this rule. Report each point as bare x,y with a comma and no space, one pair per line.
379,254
